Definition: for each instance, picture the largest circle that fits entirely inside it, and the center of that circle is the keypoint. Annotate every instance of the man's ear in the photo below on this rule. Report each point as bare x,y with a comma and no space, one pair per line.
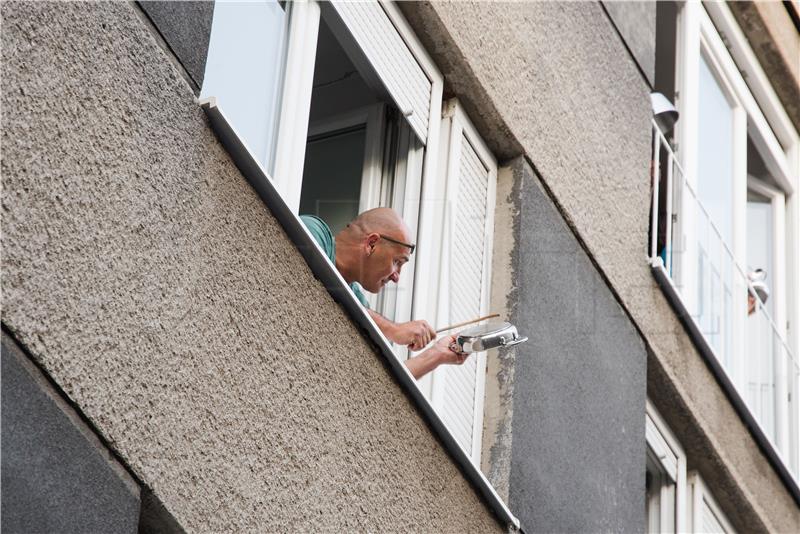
372,239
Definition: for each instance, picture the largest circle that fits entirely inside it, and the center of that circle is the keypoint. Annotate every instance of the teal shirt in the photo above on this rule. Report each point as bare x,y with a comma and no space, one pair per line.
323,235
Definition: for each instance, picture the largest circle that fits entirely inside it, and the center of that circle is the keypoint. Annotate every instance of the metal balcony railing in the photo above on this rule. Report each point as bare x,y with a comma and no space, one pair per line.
719,298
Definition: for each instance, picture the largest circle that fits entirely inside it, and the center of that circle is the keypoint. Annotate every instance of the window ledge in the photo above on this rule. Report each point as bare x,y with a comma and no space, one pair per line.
699,341
336,286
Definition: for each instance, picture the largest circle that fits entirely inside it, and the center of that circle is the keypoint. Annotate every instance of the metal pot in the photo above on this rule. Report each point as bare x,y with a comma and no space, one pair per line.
488,336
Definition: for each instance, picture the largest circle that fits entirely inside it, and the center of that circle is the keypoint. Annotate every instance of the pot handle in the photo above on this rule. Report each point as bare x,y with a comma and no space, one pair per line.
517,341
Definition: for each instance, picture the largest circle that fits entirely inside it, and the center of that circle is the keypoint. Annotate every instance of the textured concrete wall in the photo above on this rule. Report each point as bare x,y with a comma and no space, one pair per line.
556,80
186,28
56,475
636,23
578,446
146,277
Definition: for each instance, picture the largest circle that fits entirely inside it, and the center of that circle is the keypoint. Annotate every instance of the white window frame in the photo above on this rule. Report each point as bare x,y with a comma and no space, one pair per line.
699,27
699,495
295,106
663,444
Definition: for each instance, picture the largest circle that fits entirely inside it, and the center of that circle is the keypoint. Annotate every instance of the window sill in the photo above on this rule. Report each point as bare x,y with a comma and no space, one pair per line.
336,286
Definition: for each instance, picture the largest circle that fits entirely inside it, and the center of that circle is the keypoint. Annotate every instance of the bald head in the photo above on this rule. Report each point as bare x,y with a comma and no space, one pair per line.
382,221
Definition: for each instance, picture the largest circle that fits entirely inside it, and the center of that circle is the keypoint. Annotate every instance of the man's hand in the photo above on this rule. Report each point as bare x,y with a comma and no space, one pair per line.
446,348
440,353
413,334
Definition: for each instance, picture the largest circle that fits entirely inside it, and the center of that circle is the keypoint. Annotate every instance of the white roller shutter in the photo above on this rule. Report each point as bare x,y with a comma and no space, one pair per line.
382,47
464,284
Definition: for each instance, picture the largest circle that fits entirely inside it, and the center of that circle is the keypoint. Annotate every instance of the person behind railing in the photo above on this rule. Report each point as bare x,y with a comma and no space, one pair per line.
758,285
369,253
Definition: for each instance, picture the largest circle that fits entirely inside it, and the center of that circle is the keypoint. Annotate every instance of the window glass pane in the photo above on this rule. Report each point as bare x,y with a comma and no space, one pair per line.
332,177
714,228
715,152
244,67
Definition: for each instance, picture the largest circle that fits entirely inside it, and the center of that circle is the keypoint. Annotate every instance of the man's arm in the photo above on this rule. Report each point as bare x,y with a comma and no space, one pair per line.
414,334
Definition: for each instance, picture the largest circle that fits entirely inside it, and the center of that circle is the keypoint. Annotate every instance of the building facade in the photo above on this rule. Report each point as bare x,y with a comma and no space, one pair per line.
179,355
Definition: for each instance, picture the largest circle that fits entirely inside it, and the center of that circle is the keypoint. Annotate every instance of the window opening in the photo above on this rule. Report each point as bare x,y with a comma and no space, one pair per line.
360,154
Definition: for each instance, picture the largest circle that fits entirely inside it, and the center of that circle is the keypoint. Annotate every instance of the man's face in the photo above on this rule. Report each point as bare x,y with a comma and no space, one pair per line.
383,262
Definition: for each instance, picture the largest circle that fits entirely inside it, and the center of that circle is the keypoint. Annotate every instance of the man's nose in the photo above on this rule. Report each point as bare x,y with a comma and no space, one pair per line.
395,277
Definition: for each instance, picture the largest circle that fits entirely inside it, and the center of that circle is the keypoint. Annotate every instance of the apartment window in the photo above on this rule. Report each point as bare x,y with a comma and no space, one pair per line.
342,107
726,182
665,477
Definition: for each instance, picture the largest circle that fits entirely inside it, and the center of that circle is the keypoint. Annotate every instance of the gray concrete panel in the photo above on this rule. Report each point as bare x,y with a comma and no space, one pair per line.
143,273
578,450
56,475
186,28
636,23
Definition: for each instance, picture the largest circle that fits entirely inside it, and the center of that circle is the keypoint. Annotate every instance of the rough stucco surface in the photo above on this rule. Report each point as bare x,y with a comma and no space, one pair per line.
776,43
146,277
555,79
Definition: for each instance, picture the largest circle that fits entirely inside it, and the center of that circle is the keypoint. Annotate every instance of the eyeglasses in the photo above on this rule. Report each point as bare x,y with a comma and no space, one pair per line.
396,242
